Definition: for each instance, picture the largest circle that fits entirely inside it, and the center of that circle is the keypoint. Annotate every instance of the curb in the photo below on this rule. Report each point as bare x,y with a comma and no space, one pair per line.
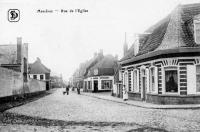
147,107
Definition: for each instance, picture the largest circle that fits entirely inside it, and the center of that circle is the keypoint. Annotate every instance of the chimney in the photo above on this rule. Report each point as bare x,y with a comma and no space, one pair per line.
125,46
19,50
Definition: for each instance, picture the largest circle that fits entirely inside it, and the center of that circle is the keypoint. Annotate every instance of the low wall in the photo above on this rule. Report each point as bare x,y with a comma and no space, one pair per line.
134,96
173,99
36,86
11,82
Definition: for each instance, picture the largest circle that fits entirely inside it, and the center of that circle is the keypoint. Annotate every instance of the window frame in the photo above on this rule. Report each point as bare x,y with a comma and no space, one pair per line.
111,84
42,77
34,76
150,79
163,79
135,81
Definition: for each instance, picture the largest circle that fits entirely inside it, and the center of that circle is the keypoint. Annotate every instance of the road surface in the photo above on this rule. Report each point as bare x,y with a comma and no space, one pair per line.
58,112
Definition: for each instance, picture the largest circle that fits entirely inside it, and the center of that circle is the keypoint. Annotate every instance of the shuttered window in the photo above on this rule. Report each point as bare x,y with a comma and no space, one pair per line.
132,78
136,80
147,80
153,80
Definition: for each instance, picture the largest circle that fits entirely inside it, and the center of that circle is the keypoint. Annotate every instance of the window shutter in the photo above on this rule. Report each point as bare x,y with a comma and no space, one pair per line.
132,80
123,75
191,79
156,80
120,76
197,31
138,81
147,75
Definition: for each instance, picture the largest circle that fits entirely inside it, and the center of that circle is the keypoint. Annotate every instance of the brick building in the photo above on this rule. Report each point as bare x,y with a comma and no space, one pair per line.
166,67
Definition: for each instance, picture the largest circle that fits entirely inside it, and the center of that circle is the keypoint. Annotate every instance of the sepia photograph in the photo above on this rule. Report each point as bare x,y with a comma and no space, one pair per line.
99,65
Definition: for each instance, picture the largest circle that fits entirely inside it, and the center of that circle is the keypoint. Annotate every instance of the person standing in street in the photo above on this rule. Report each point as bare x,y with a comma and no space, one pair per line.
67,89
78,89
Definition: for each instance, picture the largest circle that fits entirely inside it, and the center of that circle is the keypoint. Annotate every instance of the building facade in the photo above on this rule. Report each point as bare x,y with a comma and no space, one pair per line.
40,72
100,77
166,67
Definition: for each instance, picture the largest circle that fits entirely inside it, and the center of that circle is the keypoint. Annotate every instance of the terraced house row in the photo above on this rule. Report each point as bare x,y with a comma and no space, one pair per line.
163,65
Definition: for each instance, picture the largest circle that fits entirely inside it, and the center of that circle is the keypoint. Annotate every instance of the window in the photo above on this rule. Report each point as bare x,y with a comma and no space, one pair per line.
89,84
34,76
143,79
198,78
106,84
197,31
135,81
152,79
125,83
171,80
41,77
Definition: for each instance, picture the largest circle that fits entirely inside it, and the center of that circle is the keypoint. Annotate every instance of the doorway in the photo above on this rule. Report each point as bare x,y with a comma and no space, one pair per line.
95,85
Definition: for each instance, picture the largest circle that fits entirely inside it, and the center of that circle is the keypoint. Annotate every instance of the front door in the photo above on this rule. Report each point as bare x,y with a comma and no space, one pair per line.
47,85
95,85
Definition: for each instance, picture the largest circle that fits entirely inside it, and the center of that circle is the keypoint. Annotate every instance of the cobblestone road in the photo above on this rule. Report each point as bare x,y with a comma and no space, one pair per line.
91,114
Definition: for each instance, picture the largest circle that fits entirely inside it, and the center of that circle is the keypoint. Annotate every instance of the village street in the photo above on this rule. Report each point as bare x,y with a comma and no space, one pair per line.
73,112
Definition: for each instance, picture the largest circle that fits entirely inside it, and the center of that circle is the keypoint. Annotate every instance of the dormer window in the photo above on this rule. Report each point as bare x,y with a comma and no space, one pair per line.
197,30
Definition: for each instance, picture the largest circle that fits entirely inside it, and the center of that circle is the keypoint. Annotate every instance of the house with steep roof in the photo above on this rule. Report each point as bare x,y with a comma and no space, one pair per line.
39,71
81,73
100,77
166,67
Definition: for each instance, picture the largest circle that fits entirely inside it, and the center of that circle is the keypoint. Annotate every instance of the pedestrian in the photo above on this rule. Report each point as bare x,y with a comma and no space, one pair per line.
67,89
78,89
125,93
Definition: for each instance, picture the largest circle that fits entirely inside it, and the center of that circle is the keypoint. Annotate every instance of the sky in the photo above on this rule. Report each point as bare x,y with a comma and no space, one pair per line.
64,40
